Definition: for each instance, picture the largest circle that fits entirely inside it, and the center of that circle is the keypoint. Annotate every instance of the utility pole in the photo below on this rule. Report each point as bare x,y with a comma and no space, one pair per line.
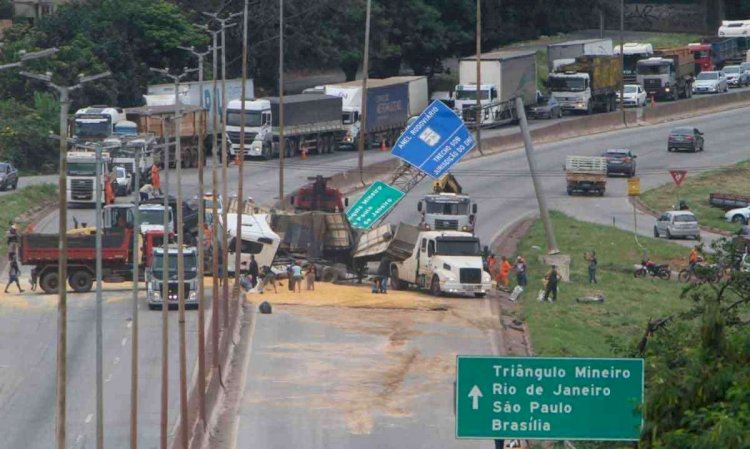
551,243
479,77
134,330
282,143
363,107
622,61
241,156
62,272
201,250
99,353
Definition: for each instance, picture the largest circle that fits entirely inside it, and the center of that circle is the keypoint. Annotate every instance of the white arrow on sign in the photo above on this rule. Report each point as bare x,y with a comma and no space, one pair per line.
475,394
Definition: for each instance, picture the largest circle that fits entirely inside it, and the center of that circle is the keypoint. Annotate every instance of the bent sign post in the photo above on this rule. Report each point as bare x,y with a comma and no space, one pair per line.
540,398
435,141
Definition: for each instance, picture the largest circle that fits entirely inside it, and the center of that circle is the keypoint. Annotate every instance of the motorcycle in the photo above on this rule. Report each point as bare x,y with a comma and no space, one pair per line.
652,269
701,273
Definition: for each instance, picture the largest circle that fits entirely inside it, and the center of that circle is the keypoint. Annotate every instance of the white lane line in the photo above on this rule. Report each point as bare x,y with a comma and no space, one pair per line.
89,418
109,377
117,360
124,341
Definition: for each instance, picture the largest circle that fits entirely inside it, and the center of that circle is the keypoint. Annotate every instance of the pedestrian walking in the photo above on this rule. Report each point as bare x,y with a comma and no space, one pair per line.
593,263
502,275
145,192
13,272
11,238
253,270
290,276
155,178
310,276
384,274
552,278
520,268
269,278
297,276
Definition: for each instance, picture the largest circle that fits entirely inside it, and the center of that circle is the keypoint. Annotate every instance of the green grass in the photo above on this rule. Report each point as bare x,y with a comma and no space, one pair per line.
666,40
567,328
695,190
13,205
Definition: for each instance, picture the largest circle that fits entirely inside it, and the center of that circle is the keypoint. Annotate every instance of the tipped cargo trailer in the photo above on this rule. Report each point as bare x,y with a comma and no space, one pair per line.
505,76
566,52
587,85
669,74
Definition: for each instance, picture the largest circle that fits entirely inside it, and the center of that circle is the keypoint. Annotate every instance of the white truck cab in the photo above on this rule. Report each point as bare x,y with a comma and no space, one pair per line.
151,218
96,122
443,262
155,277
81,171
571,90
258,240
447,211
466,98
257,126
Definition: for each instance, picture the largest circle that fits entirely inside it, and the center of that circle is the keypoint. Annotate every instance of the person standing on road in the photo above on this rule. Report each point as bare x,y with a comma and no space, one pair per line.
11,238
384,272
520,268
269,278
253,270
310,276
502,275
593,263
155,179
13,272
552,278
297,276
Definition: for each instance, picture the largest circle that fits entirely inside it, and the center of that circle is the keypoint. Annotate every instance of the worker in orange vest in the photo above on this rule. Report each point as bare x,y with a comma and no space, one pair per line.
109,195
502,275
155,180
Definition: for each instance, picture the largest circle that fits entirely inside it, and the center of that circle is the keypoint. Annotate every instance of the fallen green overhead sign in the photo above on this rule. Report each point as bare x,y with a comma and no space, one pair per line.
376,202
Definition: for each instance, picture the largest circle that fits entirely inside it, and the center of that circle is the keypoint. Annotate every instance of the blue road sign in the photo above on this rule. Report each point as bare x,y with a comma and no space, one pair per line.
435,141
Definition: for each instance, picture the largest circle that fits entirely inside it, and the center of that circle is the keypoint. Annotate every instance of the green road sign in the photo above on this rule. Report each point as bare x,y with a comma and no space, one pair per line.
376,201
540,398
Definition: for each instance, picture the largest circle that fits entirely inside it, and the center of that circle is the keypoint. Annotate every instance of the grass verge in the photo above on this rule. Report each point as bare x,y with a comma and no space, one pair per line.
18,206
567,328
696,189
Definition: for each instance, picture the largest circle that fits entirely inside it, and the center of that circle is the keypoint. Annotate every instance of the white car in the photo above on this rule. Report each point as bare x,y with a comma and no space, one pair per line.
635,95
734,28
741,215
710,82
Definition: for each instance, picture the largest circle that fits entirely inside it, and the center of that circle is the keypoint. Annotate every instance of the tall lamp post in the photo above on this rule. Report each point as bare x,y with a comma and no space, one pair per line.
241,158
180,258
62,272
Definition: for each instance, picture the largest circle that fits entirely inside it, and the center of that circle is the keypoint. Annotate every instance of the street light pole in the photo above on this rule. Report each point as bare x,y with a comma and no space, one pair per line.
62,272
134,330
622,61
363,107
241,156
99,353
282,143
479,78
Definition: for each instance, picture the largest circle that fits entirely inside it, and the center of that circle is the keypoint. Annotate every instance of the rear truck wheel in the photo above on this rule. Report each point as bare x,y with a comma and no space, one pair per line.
739,219
81,281
559,113
49,282
665,274
684,275
396,283
435,286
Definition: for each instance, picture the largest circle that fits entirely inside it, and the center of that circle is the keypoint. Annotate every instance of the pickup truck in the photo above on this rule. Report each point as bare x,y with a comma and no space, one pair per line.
441,261
586,174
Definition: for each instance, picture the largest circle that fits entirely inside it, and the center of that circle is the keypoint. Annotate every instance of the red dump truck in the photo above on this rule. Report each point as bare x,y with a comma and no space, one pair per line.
41,251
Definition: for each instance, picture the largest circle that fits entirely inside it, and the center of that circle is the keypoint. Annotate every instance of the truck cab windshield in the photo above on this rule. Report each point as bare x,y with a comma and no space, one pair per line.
458,208
472,95
447,246
252,118
190,264
92,128
81,168
565,84
153,216
653,69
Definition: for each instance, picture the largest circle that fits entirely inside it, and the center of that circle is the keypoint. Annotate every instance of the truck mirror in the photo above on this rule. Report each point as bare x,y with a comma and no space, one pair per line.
419,206
474,208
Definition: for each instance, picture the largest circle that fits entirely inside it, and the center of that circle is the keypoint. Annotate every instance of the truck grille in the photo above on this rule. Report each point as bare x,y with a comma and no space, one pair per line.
234,137
82,189
446,224
470,275
469,114
173,287
652,84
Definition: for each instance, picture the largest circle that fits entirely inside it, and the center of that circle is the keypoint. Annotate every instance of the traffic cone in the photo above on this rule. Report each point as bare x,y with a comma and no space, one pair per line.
382,146
653,101
303,152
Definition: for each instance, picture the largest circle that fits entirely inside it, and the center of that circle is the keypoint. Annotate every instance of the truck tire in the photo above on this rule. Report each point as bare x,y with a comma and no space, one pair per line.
590,107
266,153
435,286
739,219
81,281
49,282
396,283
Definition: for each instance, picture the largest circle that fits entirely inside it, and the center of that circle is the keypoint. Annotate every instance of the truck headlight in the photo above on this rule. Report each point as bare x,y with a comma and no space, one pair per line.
193,296
156,294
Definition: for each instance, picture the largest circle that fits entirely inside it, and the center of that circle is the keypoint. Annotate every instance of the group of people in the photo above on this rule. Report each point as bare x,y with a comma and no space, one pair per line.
154,188
500,270
263,277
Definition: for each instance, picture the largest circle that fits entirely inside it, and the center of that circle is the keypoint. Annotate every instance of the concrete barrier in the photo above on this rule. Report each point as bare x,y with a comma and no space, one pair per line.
697,105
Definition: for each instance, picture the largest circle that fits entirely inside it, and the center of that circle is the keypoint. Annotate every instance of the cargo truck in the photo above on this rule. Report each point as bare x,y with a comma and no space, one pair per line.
505,76
669,74
154,277
566,52
441,261
633,52
586,174
391,102
96,122
589,84
312,123
715,52
158,121
81,176
447,207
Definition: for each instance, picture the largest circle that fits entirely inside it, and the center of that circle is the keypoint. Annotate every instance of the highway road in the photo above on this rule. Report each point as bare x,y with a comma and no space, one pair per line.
500,184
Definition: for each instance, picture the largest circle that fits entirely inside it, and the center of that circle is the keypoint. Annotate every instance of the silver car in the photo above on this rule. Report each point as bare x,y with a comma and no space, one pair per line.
677,223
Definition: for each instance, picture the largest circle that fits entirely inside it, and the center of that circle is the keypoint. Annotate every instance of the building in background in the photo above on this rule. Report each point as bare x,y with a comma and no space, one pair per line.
33,10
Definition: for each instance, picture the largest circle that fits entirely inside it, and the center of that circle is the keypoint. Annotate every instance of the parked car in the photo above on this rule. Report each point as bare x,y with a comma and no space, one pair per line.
546,107
8,176
124,182
736,77
710,82
745,67
741,215
635,95
620,161
685,138
677,223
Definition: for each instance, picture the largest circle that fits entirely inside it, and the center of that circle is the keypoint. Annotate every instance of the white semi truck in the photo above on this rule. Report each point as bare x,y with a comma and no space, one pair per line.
155,277
505,76
81,176
96,122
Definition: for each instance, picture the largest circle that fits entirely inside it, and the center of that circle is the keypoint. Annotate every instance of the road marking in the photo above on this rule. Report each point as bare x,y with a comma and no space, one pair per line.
117,360
109,377
124,341
130,324
89,418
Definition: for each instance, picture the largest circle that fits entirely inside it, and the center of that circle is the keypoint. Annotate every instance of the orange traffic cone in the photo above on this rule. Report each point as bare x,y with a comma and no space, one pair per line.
303,152
382,146
653,101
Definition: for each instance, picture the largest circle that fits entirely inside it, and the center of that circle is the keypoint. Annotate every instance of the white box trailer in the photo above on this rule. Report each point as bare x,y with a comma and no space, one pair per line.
566,52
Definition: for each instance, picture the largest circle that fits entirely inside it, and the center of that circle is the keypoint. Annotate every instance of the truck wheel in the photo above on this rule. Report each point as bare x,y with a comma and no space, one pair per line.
49,282
435,286
81,281
590,107
396,283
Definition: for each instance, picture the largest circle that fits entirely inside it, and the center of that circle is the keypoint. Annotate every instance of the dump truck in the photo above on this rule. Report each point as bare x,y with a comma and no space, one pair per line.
318,196
563,53
390,104
669,74
714,53
312,124
505,76
589,84
632,53
586,174
158,121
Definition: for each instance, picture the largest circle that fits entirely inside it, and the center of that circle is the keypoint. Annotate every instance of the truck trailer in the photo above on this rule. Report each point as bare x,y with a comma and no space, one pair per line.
589,84
632,53
505,76
669,74
563,53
